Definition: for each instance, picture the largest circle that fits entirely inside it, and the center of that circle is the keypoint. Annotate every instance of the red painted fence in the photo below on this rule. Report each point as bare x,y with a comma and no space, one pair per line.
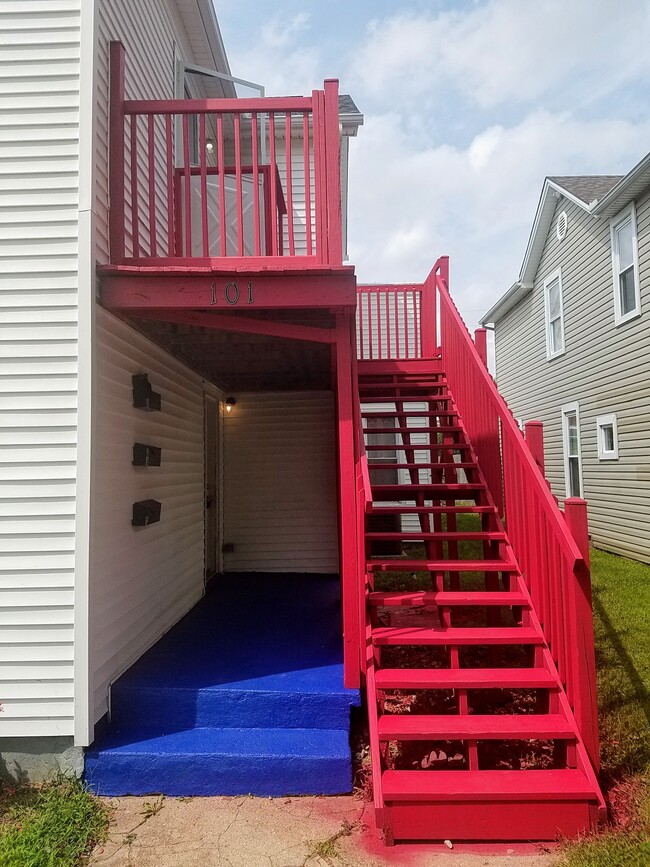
198,180
390,321
551,548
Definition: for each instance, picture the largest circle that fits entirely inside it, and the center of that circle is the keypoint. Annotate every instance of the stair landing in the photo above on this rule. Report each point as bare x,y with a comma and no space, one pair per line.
244,695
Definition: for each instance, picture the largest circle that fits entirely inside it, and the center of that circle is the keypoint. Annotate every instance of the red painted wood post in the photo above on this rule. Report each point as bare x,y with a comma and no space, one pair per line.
428,319
534,433
116,154
333,169
585,700
346,397
480,341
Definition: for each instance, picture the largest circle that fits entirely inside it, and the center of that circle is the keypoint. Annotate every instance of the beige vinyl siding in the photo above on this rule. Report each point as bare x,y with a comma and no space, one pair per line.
143,579
280,489
39,201
606,369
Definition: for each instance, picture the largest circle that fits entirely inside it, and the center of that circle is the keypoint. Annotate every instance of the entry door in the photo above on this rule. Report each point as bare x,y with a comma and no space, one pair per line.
211,486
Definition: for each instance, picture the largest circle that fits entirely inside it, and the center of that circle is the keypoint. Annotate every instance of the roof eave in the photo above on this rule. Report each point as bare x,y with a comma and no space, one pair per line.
507,301
625,190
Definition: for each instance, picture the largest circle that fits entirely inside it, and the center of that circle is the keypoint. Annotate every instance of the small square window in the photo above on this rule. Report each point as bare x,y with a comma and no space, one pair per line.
625,266
607,434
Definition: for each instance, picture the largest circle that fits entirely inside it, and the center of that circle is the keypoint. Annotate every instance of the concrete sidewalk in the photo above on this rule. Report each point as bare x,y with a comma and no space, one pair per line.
276,832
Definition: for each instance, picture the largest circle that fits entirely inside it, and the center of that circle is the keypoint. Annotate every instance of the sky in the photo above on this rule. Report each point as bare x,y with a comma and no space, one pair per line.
468,105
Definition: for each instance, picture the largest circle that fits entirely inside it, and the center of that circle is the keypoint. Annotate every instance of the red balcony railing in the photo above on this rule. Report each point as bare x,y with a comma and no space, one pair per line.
211,181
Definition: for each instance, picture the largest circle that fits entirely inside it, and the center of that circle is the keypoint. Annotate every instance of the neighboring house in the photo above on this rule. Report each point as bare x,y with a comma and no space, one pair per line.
192,535
572,340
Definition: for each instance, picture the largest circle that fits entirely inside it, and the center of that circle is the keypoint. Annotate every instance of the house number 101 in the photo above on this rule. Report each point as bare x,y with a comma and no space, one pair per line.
231,293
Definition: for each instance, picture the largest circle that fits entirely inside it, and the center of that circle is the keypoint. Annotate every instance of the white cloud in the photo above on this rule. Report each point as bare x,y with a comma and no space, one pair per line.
410,204
505,50
280,57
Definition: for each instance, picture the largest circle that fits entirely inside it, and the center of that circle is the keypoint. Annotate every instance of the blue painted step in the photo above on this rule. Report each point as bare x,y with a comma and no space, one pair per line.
244,695
230,761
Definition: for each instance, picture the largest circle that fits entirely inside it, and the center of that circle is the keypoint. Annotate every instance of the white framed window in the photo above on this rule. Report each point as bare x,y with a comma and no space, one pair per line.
554,315
607,433
571,440
625,266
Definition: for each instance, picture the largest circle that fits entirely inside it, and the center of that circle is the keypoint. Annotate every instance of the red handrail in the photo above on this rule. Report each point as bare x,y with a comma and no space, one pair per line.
555,569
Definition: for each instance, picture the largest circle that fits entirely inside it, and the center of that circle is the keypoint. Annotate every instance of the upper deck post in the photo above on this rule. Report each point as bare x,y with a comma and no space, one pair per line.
116,153
333,172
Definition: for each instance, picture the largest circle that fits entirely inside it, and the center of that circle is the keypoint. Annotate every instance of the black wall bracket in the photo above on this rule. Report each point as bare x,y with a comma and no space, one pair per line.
144,397
145,512
146,456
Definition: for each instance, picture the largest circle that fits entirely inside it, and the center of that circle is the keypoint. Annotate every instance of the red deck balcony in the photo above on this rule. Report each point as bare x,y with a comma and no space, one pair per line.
224,184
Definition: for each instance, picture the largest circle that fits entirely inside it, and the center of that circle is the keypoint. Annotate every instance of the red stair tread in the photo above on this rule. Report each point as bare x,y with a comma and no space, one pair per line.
396,727
397,565
442,488
443,428
405,599
448,465
421,447
409,413
557,785
478,536
456,636
435,510
464,678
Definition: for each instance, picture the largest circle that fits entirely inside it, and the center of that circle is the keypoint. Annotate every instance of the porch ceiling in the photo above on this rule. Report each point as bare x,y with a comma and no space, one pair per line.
236,361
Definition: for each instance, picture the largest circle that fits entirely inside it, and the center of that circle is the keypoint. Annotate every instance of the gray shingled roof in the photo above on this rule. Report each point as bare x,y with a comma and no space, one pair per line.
587,187
347,104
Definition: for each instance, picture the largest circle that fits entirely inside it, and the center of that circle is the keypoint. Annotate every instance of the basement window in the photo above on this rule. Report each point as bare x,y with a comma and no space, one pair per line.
607,438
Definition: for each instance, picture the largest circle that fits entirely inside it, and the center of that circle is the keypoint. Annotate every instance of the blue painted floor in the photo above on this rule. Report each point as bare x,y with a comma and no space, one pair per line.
244,695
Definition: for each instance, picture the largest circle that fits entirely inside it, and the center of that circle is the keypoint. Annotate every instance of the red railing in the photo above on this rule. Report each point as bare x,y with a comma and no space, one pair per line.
554,566
390,321
199,180
551,548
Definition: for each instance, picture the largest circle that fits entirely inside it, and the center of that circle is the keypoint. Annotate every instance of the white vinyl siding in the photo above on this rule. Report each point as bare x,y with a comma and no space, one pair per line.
143,579
149,32
625,267
39,202
605,368
280,491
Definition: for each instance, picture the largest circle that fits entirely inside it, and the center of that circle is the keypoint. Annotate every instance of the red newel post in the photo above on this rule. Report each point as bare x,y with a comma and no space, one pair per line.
480,341
333,170
534,433
116,154
580,610
428,319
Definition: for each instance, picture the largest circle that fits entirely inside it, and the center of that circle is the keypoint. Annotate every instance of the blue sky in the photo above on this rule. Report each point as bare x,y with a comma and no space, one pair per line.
468,106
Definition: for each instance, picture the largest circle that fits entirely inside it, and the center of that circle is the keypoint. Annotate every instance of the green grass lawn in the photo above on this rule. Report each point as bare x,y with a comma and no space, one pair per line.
621,591
54,825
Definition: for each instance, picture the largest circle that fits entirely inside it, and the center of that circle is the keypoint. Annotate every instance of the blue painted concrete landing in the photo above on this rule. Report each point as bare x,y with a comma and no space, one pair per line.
244,695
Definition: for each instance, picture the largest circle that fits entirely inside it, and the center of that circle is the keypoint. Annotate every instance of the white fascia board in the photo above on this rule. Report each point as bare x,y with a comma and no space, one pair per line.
213,33
507,301
625,190
551,193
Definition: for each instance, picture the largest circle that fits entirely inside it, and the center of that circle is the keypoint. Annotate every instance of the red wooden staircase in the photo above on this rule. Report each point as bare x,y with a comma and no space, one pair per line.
478,653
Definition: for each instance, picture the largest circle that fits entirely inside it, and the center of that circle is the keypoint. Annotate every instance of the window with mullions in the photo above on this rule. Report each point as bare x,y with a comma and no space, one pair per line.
554,315
572,460
625,267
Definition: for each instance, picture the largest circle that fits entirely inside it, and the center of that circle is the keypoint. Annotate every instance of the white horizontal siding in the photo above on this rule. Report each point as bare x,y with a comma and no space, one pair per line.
280,495
605,369
39,200
148,29
142,579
